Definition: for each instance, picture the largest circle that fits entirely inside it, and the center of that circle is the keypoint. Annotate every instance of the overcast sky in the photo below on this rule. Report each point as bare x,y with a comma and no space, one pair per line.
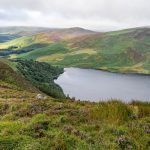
92,14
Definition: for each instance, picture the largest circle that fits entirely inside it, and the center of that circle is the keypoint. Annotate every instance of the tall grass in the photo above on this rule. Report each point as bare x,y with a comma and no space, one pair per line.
112,112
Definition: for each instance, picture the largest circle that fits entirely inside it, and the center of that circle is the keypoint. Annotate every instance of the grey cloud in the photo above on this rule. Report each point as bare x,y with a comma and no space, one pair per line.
92,14
13,15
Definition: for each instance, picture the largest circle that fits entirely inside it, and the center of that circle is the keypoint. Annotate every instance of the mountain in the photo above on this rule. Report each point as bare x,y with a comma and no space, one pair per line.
8,33
65,34
28,122
22,31
119,51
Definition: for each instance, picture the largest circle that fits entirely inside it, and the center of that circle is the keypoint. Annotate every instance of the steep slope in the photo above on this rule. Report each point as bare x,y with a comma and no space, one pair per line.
42,76
27,74
29,123
8,75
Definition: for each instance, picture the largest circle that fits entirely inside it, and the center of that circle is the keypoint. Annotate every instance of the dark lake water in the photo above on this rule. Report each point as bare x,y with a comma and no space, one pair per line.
94,85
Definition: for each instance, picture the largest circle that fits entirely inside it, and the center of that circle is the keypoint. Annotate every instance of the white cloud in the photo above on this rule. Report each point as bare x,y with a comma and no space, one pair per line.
92,14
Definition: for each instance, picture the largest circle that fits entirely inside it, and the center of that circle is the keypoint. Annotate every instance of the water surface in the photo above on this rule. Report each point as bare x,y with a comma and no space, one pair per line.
94,85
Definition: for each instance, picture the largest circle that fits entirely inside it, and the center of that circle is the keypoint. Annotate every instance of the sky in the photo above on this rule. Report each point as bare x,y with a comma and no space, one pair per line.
100,15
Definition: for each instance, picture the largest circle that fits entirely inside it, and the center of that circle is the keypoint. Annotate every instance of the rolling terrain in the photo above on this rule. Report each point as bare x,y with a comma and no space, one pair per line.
10,33
27,122
119,51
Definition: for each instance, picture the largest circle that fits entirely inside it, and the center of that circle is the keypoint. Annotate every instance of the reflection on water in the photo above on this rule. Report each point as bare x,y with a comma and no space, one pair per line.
94,85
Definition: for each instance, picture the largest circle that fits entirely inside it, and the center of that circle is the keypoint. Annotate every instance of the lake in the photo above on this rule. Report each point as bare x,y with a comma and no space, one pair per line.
95,85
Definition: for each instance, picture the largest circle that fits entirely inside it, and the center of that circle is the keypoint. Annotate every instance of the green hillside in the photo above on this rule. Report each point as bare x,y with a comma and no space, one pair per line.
63,124
120,51
8,75
42,76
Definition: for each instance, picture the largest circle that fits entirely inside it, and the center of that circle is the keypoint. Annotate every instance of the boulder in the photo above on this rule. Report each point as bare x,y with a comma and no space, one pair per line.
41,97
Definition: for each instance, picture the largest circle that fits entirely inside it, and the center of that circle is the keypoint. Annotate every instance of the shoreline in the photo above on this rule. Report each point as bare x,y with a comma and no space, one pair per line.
138,76
111,71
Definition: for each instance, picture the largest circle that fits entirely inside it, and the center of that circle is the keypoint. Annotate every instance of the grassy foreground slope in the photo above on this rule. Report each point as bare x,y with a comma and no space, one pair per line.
120,51
59,124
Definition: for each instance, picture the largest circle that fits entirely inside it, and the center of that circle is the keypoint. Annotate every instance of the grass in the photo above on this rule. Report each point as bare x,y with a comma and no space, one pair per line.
51,57
28,123
66,124
49,50
19,42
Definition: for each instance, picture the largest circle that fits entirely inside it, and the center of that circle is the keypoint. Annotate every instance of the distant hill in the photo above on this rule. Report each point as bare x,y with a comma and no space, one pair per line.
65,34
22,31
8,33
120,51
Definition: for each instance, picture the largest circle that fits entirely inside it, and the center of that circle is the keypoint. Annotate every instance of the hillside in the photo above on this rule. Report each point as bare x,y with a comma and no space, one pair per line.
9,76
37,38
120,51
10,33
29,123
22,31
42,76
39,34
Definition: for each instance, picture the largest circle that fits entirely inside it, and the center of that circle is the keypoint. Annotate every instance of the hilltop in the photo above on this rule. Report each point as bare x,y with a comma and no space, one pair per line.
118,51
10,33
55,123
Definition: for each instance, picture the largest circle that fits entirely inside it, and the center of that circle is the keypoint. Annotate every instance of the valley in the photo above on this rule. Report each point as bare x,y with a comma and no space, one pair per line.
126,51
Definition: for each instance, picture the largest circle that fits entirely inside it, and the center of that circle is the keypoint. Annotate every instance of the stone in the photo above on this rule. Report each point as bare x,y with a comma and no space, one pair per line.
41,97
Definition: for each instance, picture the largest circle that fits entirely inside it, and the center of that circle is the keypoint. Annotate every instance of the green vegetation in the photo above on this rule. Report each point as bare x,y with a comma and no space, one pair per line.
8,75
120,51
63,124
71,125
48,50
42,76
59,123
